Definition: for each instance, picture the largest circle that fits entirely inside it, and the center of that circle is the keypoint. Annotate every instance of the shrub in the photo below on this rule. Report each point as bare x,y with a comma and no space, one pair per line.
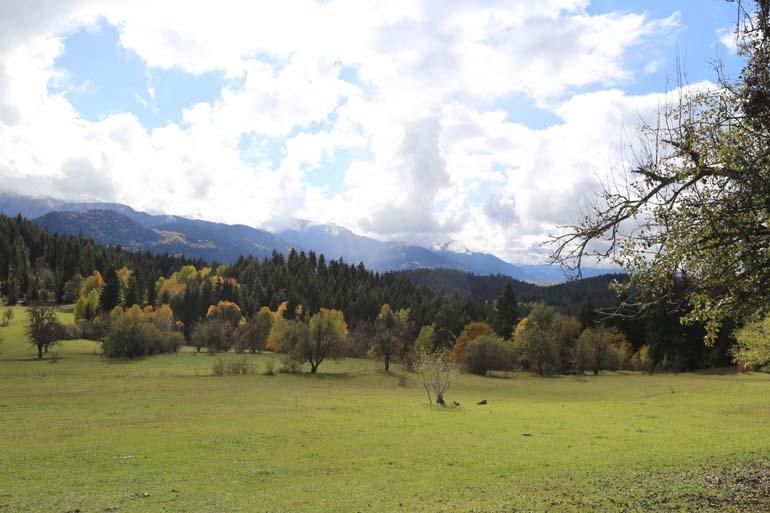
290,365
437,372
269,368
642,360
95,329
134,333
234,367
71,331
211,334
7,316
487,352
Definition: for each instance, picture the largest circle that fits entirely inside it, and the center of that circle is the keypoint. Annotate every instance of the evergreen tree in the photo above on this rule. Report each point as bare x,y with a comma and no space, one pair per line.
112,295
505,312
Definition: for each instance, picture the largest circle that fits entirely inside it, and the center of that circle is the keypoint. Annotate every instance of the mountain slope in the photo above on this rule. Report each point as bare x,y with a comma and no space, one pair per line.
225,243
338,242
196,239
104,226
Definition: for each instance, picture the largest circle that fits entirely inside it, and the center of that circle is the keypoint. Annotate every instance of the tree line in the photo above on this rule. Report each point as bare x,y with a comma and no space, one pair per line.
36,266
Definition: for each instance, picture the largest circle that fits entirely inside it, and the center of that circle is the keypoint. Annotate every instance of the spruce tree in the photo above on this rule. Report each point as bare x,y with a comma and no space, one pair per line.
505,312
112,295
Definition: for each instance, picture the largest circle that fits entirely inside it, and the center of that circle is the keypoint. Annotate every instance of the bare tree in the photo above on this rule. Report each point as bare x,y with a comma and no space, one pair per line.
437,372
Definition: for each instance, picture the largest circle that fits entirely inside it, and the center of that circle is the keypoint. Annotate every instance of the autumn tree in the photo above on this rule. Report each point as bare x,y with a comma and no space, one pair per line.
43,328
471,331
211,334
327,337
253,334
71,291
753,344
136,332
228,314
390,330
596,346
425,341
541,339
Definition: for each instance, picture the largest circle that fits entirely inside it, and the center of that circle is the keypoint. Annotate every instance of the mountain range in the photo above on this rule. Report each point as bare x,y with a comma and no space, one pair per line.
117,224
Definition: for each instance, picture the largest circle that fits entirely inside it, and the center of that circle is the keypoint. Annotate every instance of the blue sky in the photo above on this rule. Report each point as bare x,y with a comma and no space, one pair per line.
485,123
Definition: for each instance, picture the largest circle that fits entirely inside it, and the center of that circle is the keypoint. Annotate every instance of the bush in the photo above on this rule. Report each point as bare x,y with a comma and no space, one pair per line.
290,365
470,332
212,335
437,371
134,333
269,367
239,367
6,318
487,352
95,329
642,360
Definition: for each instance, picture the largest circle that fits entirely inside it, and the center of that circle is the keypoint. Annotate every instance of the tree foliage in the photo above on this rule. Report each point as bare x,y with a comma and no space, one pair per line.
544,340
390,331
327,338
597,348
487,352
505,314
753,347
43,328
136,332
696,203
470,332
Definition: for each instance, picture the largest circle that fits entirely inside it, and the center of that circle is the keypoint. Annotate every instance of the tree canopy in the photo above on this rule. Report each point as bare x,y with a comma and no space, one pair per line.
691,224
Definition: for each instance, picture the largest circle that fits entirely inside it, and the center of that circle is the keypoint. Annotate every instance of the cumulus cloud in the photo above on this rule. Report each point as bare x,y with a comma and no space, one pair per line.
443,160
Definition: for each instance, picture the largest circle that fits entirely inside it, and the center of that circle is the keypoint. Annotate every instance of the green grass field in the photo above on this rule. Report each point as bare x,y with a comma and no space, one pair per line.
161,434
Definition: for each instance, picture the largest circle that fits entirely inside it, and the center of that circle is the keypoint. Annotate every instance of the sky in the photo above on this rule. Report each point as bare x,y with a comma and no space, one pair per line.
481,123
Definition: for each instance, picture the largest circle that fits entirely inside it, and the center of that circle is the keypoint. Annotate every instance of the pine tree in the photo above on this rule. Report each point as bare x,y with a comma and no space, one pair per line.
112,295
505,312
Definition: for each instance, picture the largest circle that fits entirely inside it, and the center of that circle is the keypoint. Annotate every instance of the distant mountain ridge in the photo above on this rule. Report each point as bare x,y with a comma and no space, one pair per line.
117,224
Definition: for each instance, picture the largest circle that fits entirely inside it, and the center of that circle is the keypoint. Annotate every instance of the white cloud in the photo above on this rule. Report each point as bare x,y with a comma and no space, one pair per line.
444,163
728,38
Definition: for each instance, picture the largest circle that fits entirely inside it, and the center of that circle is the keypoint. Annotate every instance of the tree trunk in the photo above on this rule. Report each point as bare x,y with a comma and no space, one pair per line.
387,363
198,349
39,352
596,372
313,367
45,348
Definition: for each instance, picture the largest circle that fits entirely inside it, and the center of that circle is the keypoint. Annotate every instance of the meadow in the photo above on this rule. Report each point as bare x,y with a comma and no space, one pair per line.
79,432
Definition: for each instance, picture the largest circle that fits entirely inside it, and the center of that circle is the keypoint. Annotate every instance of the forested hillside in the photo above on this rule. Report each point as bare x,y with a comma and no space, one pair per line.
36,266
569,294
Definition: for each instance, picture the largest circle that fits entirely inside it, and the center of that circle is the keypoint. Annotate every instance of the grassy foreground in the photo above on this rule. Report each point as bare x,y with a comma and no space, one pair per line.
161,434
